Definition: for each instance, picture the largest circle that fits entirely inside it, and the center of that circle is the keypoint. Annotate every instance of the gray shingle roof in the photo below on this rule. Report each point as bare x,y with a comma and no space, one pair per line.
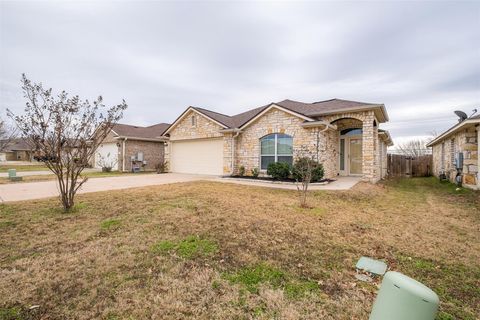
18,144
314,109
151,132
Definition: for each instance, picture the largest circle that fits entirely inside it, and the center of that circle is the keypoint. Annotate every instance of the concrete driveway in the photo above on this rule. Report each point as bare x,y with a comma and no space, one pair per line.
46,189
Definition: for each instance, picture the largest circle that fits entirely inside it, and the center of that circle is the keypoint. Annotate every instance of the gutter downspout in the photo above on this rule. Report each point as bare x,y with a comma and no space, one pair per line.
123,154
318,140
233,150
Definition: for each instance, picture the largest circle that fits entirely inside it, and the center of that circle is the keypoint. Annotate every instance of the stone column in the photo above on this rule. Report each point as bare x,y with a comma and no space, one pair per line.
478,157
228,166
166,154
368,152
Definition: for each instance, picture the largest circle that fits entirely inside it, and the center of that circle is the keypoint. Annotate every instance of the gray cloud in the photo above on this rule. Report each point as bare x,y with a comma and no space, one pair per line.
422,59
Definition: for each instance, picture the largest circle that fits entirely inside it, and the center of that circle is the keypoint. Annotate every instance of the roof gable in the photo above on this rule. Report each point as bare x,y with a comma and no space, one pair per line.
210,115
270,107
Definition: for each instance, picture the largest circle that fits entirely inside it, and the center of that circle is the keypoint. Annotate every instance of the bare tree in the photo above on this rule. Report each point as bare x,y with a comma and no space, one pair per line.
413,148
306,170
7,135
65,133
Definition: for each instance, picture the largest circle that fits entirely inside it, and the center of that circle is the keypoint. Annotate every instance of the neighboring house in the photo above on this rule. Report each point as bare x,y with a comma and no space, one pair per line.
461,138
343,135
17,150
128,146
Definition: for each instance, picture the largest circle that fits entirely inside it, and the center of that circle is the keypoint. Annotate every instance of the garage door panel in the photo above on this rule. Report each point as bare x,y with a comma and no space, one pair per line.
197,156
108,153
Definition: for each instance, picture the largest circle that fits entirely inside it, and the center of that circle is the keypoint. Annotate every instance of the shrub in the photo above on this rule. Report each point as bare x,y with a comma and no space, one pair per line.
279,170
241,171
302,165
255,172
162,167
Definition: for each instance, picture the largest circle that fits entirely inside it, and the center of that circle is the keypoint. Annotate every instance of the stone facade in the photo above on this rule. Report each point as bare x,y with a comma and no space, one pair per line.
202,128
465,141
321,144
370,149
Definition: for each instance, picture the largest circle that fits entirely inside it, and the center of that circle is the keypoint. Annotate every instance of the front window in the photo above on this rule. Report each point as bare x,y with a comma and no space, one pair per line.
351,132
276,147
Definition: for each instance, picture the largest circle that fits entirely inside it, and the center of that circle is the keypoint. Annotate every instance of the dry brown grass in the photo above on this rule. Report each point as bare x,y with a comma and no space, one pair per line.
98,262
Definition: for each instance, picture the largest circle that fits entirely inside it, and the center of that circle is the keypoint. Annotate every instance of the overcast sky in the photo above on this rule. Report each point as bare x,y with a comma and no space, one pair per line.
422,60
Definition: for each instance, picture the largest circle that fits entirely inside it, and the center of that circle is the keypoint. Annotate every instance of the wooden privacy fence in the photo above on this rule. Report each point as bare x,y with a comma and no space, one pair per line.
407,166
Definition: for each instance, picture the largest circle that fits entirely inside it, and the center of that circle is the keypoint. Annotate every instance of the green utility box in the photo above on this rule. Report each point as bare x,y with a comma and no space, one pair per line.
12,173
403,298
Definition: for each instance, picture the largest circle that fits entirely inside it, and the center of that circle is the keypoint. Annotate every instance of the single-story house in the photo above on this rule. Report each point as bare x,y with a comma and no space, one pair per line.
127,147
343,135
462,138
17,150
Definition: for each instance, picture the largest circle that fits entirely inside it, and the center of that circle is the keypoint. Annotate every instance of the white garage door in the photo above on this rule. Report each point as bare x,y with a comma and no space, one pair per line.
197,156
107,155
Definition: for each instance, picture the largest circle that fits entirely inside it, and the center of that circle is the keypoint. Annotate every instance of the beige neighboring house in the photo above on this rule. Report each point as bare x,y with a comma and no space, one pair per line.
343,135
17,150
461,138
128,147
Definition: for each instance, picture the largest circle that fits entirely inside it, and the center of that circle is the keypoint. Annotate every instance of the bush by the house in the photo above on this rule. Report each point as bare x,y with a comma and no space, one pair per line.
255,172
302,165
161,167
279,170
241,171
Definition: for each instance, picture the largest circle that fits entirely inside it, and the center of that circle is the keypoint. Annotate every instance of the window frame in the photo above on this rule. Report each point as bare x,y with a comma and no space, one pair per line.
276,155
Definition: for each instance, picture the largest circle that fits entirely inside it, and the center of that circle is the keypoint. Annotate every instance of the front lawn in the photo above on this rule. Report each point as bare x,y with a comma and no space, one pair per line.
95,174
207,250
24,167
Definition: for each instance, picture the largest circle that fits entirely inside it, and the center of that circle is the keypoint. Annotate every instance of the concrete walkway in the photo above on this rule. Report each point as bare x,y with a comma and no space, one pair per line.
46,189
342,183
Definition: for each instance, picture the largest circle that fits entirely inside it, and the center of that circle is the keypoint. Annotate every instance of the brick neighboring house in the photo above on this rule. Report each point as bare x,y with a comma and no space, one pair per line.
343,135
463,138
127,146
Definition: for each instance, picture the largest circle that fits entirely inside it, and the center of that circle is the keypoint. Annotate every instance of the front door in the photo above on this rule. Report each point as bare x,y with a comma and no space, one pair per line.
355,156
350,155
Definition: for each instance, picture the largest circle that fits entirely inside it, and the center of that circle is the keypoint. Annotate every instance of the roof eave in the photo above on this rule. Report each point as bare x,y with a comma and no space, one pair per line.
369,107
159,139
452,131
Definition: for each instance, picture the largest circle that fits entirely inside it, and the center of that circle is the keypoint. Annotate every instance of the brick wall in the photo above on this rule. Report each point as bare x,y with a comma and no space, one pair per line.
153,153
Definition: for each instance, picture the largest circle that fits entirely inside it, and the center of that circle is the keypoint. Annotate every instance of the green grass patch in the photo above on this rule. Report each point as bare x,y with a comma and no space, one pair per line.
7,224
13,313
300,289
251,277
23,168
6,210
110,224
189,248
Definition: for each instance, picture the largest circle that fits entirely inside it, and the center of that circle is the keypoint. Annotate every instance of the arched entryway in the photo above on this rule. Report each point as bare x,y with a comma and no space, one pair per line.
350,146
